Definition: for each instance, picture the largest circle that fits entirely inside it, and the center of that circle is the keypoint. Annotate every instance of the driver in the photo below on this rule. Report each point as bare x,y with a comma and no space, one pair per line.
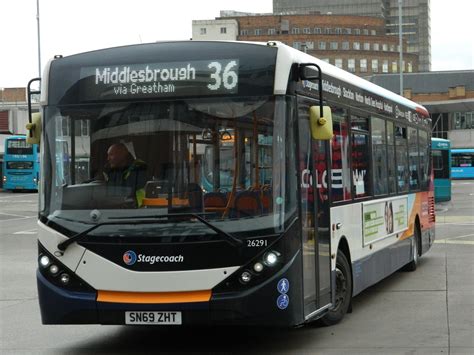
123,170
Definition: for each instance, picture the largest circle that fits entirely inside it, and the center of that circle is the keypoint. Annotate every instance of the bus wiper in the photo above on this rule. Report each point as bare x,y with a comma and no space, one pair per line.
75,238
229,237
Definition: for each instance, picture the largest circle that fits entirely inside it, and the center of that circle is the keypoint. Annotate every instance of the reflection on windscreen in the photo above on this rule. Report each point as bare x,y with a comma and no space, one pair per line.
214,158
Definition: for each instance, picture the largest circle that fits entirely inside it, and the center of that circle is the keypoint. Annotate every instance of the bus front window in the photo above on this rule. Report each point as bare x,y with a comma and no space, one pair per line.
224,160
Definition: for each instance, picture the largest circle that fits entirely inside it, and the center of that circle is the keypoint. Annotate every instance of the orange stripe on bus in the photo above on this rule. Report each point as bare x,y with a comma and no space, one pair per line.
153,297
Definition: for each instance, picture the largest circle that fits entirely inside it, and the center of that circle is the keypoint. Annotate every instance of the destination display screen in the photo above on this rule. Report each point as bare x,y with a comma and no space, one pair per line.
162,71
184,78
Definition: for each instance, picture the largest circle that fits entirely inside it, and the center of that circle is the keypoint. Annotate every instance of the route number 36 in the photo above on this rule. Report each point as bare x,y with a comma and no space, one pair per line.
228,76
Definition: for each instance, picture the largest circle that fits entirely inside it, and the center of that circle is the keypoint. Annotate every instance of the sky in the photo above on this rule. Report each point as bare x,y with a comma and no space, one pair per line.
68,27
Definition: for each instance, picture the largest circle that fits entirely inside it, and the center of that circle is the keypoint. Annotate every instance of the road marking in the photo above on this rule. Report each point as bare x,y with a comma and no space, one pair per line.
447,219
453,240
17,219
448,241
11,214
29,231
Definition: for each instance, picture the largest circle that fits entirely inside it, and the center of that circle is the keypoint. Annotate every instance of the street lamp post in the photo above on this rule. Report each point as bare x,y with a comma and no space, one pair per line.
39,41
400,44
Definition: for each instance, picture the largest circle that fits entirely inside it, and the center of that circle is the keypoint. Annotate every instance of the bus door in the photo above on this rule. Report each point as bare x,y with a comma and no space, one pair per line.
313,172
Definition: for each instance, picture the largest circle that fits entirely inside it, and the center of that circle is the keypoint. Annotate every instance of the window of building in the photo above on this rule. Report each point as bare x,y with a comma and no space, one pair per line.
365,32
392,48
295,31
376,46
394,67
297,45
385,47
363,65
375,65
351,65
306,30
338,62
409,67
258,31
356,46
345,45
366,46
333,45
322,45
327,31
271,31
348,31
326,60
341,175
244,32
357,31
309,45
401,156
379,156
317,30
202,30
392,174
385,66
463,120
223,30
338,30
373,32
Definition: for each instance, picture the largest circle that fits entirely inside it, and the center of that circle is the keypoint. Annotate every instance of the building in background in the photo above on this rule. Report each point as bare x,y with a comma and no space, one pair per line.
416,21
357,44
448,96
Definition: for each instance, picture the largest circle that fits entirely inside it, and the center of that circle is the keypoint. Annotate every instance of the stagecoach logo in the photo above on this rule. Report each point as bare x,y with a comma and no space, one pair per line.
130,258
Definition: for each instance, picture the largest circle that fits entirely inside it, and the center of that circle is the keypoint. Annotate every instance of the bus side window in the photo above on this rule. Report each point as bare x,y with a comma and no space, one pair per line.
379,156
340,174
401,154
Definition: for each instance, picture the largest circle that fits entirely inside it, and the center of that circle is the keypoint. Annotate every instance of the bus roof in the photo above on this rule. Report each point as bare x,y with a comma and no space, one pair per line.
462,150
286,57
295,56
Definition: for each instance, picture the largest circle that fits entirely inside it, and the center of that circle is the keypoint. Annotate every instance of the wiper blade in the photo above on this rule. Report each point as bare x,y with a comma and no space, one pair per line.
81,235
229,237
63,245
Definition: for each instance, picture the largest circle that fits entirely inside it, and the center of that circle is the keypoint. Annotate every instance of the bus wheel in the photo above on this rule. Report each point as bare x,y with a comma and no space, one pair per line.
343,292
411,266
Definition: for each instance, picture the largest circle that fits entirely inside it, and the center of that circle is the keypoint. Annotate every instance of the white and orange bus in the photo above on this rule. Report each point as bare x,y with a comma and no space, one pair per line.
328,187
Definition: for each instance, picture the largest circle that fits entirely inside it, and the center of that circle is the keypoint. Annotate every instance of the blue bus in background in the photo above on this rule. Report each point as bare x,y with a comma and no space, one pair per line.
441,153
20,164
462,166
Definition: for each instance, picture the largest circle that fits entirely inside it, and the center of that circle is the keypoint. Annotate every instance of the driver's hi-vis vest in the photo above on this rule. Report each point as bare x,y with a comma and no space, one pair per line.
133,176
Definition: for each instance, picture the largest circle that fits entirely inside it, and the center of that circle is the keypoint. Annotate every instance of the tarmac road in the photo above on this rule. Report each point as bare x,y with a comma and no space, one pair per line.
429,311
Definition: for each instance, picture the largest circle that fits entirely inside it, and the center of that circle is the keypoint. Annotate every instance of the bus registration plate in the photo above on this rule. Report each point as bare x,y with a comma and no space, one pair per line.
151,318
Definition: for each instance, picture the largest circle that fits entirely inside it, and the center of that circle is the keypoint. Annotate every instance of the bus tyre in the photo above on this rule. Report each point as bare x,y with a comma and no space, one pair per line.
411,266
343,292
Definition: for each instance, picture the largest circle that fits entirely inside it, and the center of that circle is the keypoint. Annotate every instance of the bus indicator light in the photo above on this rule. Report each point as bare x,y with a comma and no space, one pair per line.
246,277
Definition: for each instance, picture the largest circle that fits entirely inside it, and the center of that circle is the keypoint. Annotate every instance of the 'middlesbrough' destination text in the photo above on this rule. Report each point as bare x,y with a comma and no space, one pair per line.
147,80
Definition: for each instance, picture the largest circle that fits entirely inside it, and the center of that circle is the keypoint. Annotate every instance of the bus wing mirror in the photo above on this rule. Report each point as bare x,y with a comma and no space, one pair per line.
34,129
321,126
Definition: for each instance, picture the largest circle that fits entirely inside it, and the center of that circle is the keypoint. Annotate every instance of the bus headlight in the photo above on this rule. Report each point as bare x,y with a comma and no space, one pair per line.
59,274
44,261
271,258
258,267
53,269
4,179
